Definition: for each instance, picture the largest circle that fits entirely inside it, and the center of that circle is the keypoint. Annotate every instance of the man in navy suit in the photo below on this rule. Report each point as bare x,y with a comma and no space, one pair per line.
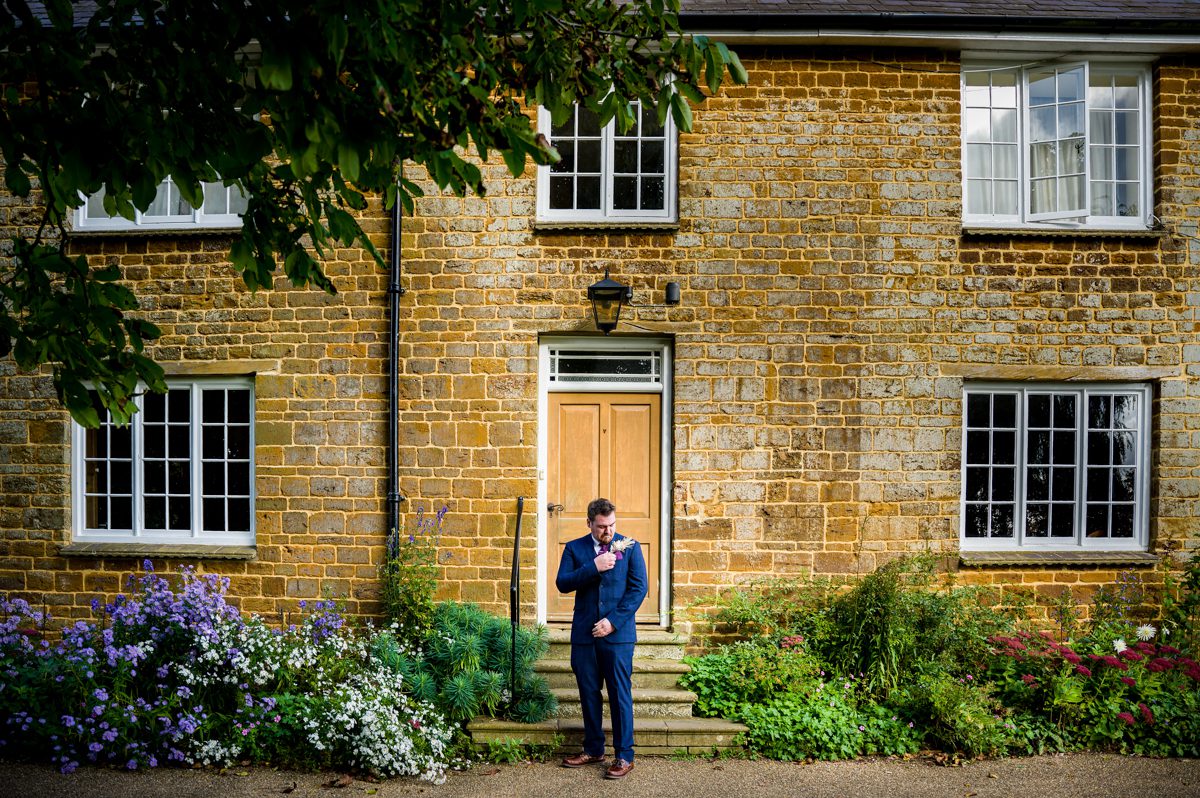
609,585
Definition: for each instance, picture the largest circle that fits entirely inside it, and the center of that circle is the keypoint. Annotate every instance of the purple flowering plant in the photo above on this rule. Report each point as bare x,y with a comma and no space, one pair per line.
175,674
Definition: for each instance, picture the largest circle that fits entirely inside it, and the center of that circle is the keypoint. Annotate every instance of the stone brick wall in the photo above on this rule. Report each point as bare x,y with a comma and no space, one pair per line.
832,309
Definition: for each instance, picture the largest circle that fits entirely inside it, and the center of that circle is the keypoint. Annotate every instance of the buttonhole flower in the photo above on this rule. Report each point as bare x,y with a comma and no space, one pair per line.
618,546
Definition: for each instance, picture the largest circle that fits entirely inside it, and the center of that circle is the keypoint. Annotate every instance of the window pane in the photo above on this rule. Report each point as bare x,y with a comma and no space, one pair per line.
589,193
1064,411
1042,196
1127,163
566,155
1100,94
1005,196
653,193
979,197
214,515
120,476
979,410
1097,484
589,122
1003,445
1125,91
1102,199
1070,121
1122,521
121,509
1127,198
1098,448
156,512
625,156
625,193
588,153
1063,489
1038,484
978,123
1004,160
1125,412
978,449
979,160
159,206
1096,525
239,515
1004,410
977,484
1123,484
1004,89
1042,126
1039,410
154,440
977,521
1127,130
653,159
1098,411
1002,484
154,408
1037,521
156,476
1101,127
1062,520
1004,124
1123,450
239,479
180,511
213,476
1102,163
1038,444
239,443
1070,192
1064,448
562,192
215,198
214,442
1002,521
239,406
1041,87
179,477
1070,85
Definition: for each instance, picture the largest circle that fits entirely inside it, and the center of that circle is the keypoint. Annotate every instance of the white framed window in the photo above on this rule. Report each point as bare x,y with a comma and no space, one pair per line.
223,207
1058,146
1055,466
607,176
182,471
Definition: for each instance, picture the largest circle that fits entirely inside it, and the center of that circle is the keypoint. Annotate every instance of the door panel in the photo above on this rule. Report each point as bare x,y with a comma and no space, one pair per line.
603,444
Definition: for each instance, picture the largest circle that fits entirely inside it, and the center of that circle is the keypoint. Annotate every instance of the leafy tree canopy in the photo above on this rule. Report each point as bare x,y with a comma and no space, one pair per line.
308,108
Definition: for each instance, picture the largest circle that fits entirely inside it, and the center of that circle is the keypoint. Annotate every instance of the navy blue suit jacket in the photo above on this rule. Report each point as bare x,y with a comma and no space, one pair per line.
615,594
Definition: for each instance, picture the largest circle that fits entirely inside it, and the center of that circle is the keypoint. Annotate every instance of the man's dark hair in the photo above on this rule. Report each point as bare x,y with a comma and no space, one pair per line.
600,507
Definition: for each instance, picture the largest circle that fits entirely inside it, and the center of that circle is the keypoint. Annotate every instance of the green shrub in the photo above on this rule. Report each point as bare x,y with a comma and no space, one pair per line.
747,672
959,714
408,575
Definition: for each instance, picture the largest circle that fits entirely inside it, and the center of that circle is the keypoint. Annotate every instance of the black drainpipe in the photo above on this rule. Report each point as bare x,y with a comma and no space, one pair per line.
395,291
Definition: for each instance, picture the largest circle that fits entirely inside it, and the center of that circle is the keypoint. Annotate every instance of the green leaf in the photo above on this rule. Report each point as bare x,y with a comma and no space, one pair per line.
339,36
275,72
736,70
682,112
348,162
16,180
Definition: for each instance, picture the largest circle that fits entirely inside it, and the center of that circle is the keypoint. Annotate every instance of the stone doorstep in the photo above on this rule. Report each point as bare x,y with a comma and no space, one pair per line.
647,704
660,674
651,735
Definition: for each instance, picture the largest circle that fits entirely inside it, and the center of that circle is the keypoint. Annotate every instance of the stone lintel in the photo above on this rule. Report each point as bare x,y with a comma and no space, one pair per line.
219,368
989,371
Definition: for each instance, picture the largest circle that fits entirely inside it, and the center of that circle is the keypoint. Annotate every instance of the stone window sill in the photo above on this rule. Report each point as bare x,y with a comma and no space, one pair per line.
604,226
1064,232
159,551
1051,559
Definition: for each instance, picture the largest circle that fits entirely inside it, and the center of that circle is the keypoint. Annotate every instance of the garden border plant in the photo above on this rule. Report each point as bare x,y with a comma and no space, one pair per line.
890,663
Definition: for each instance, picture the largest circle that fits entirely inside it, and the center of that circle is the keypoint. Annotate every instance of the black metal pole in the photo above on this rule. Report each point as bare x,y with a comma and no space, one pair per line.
394,291
514,600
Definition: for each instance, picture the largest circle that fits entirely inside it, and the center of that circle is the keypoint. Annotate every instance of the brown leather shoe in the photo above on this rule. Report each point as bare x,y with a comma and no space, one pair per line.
581,759
618,769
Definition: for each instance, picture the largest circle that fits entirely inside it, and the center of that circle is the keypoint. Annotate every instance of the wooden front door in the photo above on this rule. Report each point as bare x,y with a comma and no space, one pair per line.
604,444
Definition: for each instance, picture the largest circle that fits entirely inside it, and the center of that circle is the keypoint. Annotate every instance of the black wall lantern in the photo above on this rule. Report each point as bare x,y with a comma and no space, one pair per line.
607,297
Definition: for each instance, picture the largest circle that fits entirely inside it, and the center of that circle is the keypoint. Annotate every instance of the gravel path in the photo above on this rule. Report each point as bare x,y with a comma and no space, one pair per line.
1072,776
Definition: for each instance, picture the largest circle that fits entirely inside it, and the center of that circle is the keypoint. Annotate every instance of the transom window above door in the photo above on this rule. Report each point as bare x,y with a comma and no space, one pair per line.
1056,145
606,176
616,366
1055,466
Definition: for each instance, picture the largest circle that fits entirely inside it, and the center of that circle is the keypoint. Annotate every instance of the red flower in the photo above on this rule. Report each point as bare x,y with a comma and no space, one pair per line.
1071,657
1028,679
1129,681
1125,716
1131,655
1158,664
1168,649
1147,715
1082,670
1145,648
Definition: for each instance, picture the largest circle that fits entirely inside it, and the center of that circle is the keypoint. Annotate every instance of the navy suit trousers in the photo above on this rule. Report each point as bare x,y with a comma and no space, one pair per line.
609,665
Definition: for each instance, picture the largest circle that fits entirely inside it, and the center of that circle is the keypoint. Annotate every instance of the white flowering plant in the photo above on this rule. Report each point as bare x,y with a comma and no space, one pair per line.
177,675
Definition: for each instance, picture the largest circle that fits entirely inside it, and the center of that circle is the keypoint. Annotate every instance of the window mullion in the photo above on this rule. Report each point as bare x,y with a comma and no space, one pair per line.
1081,431
1022,470
1024,135
1087,143
607,159
195,425
137,471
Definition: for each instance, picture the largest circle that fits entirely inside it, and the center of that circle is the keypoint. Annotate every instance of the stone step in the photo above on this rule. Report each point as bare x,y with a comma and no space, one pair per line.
646,703
659,736
651,644
649,674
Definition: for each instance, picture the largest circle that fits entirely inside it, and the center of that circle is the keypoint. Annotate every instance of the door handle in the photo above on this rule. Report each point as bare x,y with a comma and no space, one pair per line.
554,508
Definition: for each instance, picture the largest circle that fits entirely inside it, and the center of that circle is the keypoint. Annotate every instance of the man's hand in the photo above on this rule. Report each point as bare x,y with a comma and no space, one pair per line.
603,627
605,562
